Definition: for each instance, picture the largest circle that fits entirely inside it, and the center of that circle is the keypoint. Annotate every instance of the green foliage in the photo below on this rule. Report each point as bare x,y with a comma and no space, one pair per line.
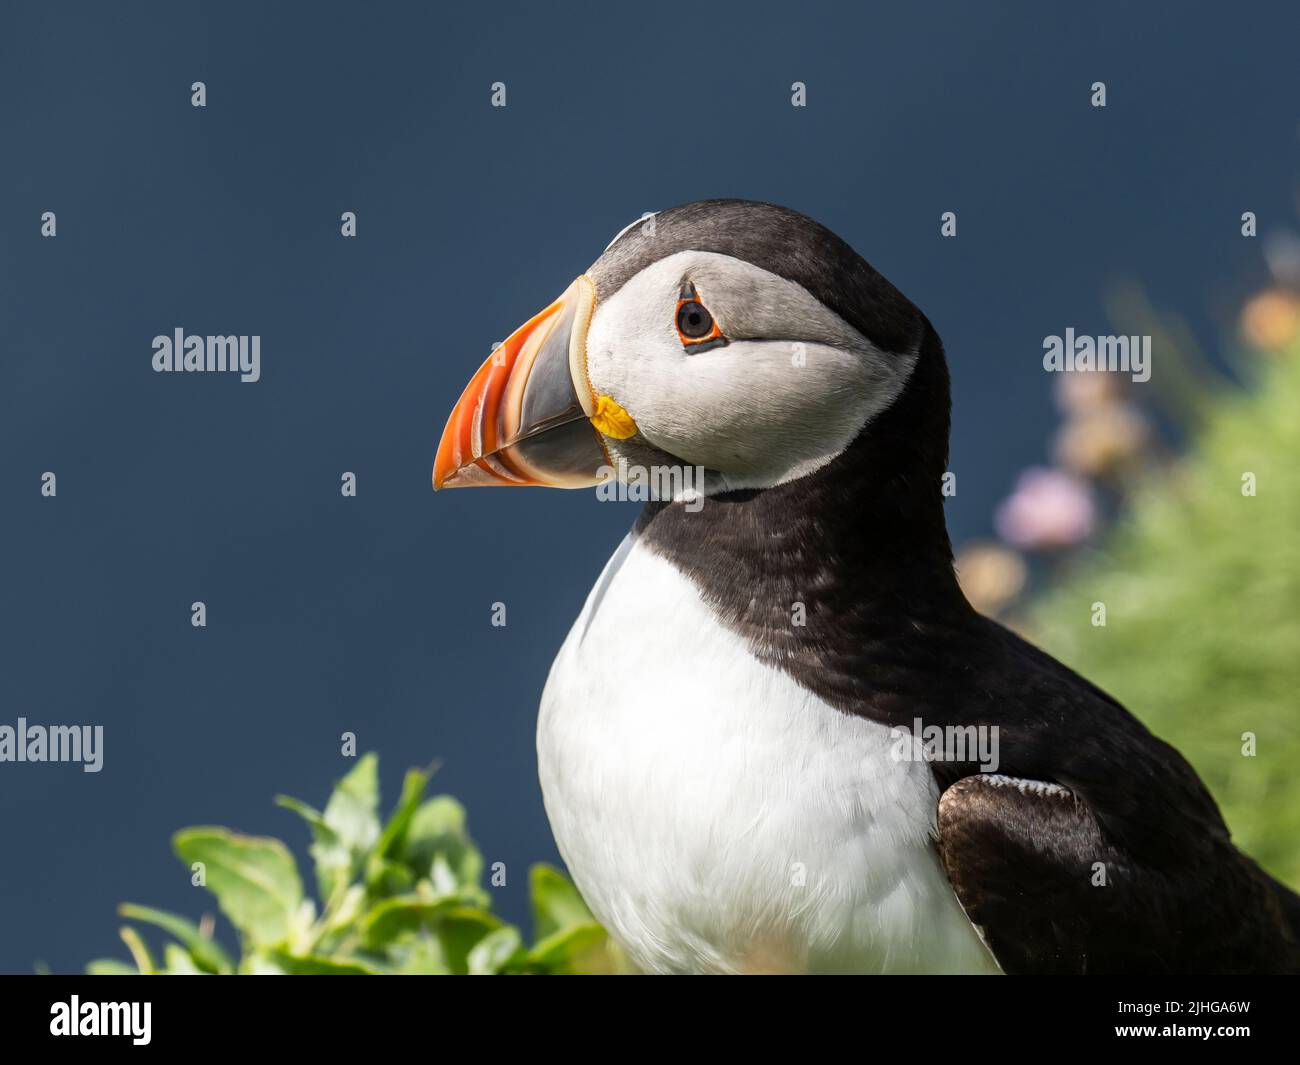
1202,591
401,896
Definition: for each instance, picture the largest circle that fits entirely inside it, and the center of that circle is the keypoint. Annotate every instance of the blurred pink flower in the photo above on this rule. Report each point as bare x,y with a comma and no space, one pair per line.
1049,509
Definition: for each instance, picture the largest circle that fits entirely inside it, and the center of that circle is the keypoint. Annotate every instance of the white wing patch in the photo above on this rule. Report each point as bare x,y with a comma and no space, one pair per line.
1025,787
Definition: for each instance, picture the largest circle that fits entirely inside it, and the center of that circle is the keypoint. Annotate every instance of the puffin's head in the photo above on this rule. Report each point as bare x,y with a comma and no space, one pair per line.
739,337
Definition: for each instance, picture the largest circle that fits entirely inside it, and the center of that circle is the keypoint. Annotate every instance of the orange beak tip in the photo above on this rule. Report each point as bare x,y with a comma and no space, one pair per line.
521,420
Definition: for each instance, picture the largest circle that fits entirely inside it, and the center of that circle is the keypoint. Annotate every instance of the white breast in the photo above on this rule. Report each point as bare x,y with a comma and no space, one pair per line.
717,816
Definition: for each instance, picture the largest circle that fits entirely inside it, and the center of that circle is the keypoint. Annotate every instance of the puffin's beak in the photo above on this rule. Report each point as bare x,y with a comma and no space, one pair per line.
523,418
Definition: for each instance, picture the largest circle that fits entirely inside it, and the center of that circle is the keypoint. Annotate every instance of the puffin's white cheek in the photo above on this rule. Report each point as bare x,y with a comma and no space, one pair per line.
640,374
756,410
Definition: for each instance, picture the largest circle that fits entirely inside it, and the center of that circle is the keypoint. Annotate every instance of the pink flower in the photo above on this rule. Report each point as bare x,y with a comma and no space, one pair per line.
1048,510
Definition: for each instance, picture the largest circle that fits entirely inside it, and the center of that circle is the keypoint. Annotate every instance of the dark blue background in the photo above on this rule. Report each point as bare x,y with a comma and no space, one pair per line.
372,614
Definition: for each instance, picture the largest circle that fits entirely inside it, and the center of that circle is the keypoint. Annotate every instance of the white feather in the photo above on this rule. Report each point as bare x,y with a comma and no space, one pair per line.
717,817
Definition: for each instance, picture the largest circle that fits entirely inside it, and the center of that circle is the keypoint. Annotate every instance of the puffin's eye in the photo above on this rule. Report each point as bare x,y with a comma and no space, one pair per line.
694,320
695,325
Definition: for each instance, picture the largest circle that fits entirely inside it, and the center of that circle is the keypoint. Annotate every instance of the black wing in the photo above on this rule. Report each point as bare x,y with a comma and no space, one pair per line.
1051,894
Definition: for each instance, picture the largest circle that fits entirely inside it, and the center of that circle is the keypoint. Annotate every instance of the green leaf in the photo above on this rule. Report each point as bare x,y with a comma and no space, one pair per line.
207,954
111,967
353,809
385,878
405,913
437,830
139,952
177,961
259,965
460,930
254,879
574,950
556,902
417,954
321,965
496,952
340,918
344,834
331,857
393,838
443,877
307,812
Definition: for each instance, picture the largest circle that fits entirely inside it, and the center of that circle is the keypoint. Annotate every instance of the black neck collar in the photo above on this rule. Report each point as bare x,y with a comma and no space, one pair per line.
861,543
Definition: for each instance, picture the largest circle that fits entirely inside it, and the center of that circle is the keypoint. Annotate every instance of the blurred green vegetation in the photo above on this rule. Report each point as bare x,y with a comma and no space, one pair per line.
401,896
1202,591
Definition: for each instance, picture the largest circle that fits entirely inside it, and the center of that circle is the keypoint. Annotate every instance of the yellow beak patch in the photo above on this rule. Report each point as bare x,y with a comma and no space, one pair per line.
612,420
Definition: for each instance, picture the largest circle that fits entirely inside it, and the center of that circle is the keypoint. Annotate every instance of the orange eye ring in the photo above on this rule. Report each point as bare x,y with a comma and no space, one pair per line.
697,329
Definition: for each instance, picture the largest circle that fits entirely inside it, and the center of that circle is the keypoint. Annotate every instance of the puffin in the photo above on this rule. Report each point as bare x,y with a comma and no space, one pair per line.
719,735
